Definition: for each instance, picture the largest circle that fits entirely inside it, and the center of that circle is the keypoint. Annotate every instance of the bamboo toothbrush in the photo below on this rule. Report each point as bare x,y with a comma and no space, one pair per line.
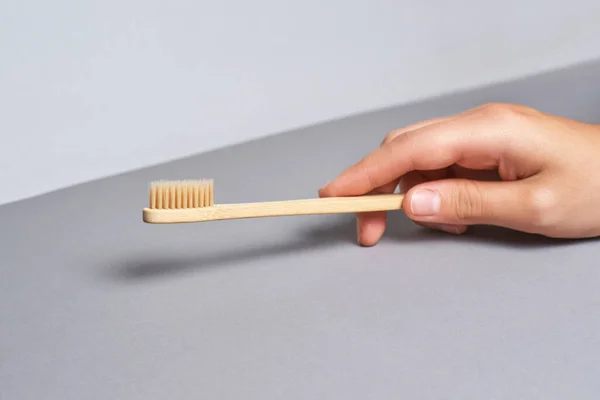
173,202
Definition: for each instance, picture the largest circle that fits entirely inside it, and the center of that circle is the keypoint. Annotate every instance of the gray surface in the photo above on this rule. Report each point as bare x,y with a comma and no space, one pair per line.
95,304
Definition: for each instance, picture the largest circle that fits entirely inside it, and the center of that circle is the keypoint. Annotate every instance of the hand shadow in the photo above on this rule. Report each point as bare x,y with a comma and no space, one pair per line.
340,231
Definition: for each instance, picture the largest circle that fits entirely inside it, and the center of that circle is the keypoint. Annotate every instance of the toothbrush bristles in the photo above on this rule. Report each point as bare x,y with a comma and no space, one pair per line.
166,195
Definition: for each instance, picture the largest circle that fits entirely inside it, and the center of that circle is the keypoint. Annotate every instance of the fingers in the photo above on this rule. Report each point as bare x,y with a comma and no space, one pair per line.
371,226
467,202
397,132
479,139
431,147
330,189
415,178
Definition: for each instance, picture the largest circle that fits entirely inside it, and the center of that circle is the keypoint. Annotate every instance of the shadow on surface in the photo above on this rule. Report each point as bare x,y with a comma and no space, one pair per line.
496,236
343,231
154,266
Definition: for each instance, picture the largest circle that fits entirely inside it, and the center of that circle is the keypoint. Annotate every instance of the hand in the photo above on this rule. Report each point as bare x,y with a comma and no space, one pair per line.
497,164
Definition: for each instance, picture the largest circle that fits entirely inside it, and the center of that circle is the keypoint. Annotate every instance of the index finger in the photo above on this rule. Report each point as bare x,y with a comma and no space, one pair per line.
431,147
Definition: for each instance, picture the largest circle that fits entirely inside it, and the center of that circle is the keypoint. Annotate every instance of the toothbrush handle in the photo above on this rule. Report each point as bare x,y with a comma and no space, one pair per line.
328,205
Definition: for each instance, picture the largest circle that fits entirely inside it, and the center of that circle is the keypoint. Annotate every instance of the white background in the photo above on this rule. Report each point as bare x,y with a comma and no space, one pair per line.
94,88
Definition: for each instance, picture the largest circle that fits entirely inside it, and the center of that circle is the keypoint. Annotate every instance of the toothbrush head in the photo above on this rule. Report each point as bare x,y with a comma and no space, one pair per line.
169,195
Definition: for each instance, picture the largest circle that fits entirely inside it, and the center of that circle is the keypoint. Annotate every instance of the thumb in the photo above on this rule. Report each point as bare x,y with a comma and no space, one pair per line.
468,202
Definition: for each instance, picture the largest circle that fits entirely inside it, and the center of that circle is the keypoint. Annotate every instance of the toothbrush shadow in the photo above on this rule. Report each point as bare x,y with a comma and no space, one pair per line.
340,232
149,267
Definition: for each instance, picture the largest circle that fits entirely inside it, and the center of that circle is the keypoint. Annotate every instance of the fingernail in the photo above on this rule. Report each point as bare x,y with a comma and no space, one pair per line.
425,203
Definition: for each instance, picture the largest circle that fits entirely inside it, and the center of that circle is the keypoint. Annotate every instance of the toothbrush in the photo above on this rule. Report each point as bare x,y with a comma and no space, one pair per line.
173,202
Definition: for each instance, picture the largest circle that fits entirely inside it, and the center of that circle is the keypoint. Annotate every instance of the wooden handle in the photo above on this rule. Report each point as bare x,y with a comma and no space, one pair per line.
328,205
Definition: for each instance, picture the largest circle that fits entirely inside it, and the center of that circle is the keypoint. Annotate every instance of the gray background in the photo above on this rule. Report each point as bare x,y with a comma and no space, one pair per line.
93,88
95,304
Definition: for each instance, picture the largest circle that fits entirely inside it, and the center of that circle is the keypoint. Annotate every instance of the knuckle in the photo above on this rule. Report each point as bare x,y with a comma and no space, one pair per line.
498,110
541,205
504,112
467,202
391,136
